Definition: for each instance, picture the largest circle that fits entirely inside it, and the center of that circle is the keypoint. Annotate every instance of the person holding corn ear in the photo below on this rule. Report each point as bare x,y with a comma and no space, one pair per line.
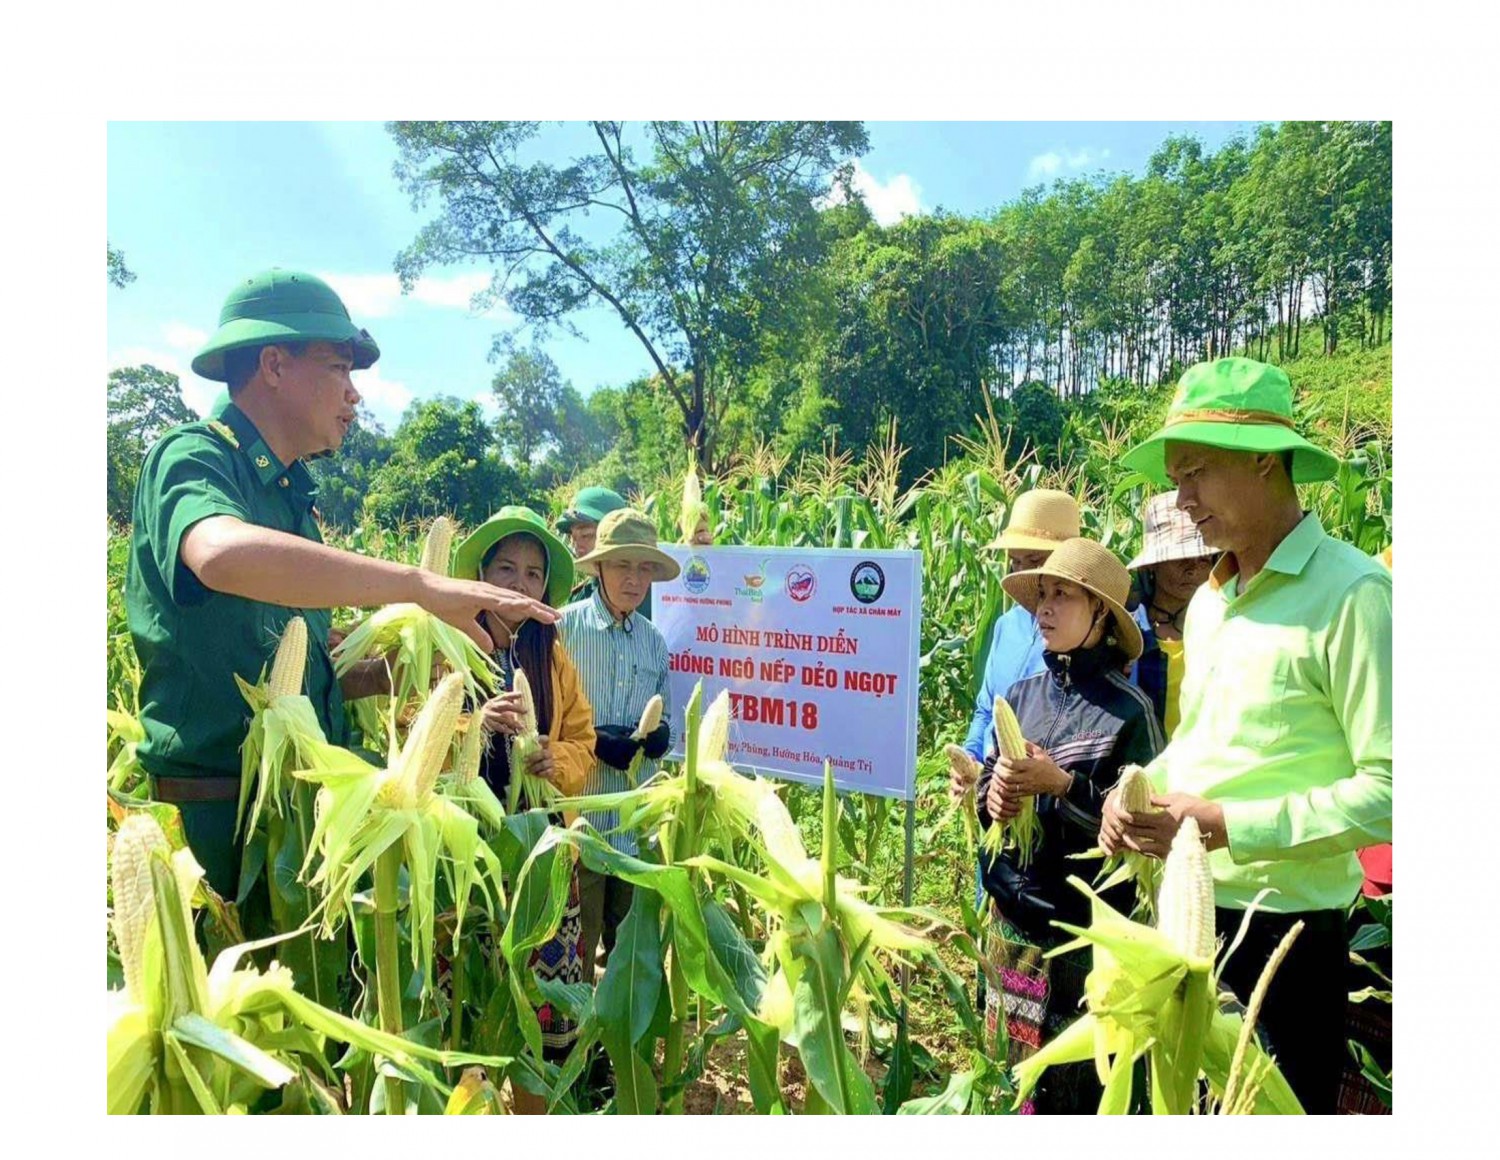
1040,520
1283,755
515,550
225,549
1082,722
623,661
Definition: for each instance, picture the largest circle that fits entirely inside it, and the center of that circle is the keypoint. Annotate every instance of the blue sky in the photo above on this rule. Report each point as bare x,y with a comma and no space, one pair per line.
196,206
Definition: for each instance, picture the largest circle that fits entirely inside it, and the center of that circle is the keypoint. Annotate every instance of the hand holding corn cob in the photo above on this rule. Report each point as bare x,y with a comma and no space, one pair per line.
1021,831
961,786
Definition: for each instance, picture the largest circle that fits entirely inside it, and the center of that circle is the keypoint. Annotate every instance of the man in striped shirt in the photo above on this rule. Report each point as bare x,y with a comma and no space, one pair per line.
622,661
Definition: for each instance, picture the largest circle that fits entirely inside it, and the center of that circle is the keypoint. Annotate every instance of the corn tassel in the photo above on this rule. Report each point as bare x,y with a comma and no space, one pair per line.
1186,902
438,549
650,719
1023,832
290,665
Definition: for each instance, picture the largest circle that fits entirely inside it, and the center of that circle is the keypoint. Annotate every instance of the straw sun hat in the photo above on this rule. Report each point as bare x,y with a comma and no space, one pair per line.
1040,520
626,534
1093,567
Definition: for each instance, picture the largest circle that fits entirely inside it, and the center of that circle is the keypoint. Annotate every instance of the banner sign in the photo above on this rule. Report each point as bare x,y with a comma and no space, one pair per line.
819,648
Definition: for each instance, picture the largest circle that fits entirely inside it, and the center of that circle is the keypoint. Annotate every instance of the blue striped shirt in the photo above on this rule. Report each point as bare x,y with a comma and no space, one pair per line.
621,667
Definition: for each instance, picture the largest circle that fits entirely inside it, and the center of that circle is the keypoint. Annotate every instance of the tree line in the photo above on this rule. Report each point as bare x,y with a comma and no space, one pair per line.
774,309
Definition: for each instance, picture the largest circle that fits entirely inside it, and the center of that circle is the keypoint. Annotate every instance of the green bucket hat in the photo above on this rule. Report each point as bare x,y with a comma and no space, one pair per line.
628,535
281,306
469,558
590,505
1237,404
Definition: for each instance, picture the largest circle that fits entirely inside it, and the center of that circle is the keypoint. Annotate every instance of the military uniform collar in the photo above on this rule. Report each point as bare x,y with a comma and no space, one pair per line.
240,432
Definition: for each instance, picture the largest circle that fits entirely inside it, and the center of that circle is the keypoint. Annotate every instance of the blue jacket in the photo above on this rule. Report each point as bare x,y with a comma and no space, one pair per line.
1015,654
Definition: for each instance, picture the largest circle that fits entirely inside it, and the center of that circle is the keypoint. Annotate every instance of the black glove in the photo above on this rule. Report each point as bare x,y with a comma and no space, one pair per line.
613,745
658,741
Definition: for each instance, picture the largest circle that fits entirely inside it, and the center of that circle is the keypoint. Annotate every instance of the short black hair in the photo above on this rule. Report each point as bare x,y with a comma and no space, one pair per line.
241,364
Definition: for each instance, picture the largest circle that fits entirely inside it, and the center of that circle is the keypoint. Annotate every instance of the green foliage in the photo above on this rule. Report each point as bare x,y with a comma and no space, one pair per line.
443,461
120,275
345,479
143,402
717,232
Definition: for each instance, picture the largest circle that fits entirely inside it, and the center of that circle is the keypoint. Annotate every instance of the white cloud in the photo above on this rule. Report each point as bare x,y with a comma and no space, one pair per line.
1049,165
181,336
386,398
888,202
488,404
379,295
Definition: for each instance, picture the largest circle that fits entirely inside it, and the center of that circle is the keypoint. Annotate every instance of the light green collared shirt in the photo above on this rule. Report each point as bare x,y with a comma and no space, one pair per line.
1286,720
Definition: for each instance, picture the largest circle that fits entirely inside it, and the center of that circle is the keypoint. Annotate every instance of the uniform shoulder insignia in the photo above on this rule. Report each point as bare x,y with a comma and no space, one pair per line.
225,432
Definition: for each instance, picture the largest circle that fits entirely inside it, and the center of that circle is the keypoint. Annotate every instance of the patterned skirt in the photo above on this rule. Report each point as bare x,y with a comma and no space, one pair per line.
561,958
1038,997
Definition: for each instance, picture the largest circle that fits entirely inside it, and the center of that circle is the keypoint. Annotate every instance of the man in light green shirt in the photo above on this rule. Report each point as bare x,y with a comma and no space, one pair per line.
1283,754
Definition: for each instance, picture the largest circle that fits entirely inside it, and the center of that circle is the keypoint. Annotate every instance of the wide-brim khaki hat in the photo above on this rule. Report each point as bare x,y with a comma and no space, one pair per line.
1170,535
626,534
1040,520
1093,567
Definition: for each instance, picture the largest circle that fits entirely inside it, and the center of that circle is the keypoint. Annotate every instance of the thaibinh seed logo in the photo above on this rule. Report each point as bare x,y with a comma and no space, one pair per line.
867,582
801,583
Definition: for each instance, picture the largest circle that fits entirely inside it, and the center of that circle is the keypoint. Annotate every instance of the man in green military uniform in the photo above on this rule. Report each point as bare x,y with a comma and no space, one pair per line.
580,523
225,549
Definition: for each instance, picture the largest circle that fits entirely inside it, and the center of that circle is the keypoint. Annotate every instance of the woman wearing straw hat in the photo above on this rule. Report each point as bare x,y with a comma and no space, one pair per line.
515,550
1040,520
623,659
1173,563
1083,722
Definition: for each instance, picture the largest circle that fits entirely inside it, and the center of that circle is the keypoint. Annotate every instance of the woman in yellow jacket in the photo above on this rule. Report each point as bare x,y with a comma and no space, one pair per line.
515,549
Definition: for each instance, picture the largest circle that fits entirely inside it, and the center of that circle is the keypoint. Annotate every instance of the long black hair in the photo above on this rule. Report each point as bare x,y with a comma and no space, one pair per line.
531,644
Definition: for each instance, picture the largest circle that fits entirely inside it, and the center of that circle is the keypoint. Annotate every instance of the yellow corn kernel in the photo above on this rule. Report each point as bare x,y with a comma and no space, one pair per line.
290,665
1185,906
134,898
713,734
962,763
650,718
1135,791
437,551
1008,731
471,752
428,742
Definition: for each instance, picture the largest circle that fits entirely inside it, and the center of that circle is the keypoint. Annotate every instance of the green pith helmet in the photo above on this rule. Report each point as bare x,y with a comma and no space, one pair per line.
469,558
590,505
1236,404
281,306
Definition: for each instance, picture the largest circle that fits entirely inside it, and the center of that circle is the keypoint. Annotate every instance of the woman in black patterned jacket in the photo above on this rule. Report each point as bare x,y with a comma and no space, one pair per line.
1083,721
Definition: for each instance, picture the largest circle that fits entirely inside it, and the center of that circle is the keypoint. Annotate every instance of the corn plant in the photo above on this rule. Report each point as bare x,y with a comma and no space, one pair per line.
1153,991
182,1038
